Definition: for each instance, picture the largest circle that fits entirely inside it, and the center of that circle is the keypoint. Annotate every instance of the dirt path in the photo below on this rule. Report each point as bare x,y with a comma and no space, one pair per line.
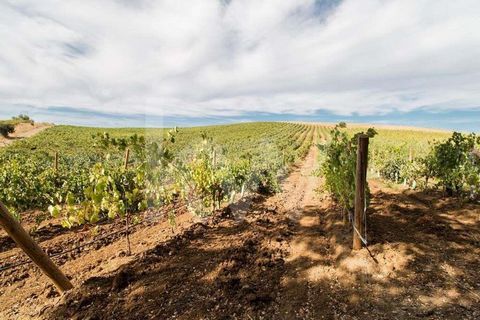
301,203
22,131
298,190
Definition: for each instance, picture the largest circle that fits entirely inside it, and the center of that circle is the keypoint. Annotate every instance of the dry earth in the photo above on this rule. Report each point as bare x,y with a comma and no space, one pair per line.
24,130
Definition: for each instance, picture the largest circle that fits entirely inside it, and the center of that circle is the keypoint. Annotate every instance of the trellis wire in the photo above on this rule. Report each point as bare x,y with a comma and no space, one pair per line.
18,264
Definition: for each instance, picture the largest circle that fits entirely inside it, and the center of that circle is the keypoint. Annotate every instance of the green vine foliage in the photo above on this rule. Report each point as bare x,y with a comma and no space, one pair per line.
114,191
205,178
450,164
109,193
92,183
338,165
454,164
33,184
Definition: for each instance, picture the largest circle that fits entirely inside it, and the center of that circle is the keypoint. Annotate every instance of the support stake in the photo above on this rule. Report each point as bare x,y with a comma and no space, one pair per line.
360,185
127,157
33,250
56,161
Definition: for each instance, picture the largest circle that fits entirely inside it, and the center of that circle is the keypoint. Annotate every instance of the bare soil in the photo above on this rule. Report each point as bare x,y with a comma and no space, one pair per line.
287,256
22,131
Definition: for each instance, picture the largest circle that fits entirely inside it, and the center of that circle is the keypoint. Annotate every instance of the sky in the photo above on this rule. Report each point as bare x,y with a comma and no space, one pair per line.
197,62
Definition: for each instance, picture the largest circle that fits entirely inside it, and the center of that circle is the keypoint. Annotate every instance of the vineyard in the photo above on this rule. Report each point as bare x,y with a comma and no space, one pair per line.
242,221
194,163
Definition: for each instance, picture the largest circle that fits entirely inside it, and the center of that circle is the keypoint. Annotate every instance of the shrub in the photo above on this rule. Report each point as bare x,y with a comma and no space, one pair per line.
22,117
454,165
6,129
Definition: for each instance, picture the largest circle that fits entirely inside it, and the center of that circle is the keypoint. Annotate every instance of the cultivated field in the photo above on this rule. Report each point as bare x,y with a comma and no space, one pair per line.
242,221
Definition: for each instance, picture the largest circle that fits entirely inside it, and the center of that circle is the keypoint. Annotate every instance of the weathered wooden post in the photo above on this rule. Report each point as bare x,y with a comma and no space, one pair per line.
127,216
33,250
360,186
127,157
56,161
214,158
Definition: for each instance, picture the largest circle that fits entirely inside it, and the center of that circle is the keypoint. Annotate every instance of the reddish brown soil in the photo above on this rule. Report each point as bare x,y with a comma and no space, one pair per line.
282,257
24,130
24,290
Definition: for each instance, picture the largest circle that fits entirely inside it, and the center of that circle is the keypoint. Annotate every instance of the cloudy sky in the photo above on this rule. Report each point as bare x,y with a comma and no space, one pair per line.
208,61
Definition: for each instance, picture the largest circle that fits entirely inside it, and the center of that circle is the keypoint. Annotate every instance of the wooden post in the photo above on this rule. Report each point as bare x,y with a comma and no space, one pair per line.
360,185
56,161
33,250
214,158
127,156
127,231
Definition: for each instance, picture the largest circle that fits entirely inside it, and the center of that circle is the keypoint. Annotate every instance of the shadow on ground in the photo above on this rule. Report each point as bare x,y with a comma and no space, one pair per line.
268,266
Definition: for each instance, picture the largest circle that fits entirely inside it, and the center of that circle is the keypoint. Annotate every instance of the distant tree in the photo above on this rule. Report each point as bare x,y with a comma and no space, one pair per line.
6,129
342,124
22,116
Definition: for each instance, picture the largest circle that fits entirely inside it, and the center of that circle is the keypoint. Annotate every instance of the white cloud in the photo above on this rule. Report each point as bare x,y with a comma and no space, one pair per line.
206,57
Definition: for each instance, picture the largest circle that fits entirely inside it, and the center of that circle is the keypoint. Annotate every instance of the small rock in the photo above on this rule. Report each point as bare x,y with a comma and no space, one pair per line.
272,209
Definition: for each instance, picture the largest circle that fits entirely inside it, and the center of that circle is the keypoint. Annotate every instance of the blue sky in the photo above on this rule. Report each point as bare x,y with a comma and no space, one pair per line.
195,62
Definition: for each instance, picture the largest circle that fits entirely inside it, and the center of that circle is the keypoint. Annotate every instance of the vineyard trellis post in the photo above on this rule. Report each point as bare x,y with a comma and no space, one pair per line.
33,250
56,161
127,158
127,215
360,192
